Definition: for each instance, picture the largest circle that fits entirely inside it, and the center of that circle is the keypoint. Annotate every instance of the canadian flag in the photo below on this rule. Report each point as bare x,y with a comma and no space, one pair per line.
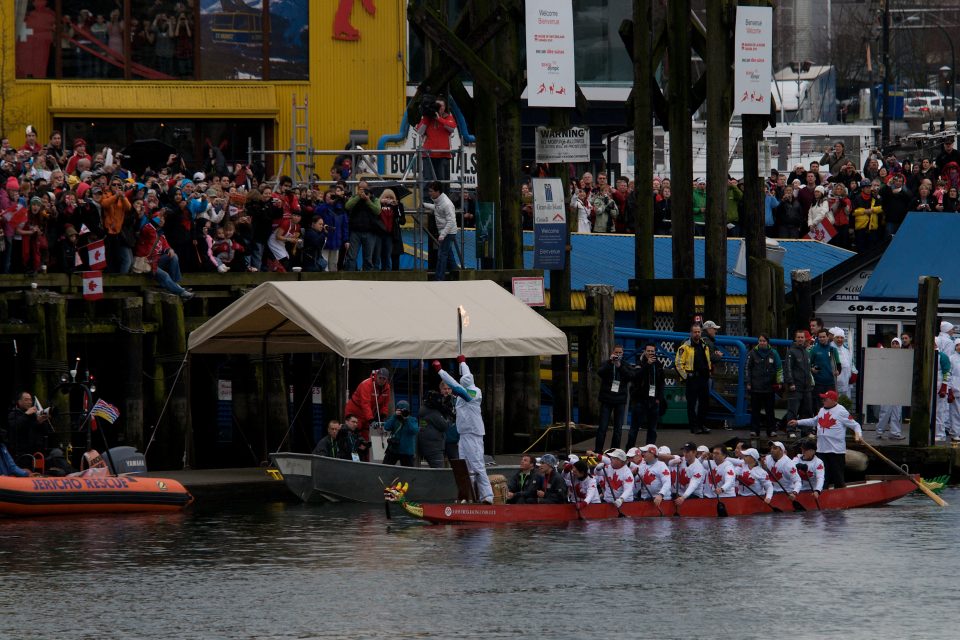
96,255
92,285
823,232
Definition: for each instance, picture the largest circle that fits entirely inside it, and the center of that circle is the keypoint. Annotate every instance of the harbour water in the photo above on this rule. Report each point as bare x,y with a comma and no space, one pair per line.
292,571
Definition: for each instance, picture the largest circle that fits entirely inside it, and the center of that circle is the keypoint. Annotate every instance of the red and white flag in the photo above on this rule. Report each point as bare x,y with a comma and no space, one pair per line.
92,285
823,232
96,255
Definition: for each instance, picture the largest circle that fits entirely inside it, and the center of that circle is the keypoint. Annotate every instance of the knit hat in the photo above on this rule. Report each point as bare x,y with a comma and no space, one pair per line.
838,332
945,327
69,230
548,458
82,189
12,183
79,142
36,200
866,183
896,341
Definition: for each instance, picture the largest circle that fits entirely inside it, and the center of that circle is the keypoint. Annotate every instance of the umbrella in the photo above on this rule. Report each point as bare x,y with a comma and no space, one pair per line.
377,188
140,155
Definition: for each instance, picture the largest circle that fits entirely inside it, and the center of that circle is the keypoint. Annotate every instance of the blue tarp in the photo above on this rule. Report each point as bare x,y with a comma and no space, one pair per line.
605,258
925,245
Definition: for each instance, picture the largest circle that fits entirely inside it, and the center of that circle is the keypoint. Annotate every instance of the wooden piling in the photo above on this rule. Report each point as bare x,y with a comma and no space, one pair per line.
681,157
643,157
924,361
131,318
172,347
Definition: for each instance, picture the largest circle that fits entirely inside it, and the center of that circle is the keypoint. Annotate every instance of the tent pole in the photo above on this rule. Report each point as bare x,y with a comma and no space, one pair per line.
569,407
346,384
263,398
420,397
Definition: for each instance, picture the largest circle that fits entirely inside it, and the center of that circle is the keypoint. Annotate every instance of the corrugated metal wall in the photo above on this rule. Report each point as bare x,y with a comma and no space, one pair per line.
353,85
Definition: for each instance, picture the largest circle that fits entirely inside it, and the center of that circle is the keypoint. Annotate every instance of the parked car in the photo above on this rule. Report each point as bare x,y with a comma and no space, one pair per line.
923,107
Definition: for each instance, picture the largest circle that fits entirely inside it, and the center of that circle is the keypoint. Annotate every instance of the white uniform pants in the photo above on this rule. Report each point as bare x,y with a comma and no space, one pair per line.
890,416
953,424
471,450
943,417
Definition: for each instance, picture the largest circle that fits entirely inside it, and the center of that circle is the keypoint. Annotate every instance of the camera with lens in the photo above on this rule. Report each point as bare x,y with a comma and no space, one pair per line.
429,107
405,413
49,412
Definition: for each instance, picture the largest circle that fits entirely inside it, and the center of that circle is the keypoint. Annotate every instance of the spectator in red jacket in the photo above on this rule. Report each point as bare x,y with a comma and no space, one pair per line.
370,402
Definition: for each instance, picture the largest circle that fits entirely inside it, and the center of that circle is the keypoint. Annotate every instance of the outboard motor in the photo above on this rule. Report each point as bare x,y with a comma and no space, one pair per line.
127,460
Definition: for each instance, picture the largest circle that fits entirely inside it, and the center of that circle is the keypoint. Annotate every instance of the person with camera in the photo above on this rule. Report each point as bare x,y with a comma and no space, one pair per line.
314,239
615,377
336,227
28,427
363,209
435,127
649,402
435,422
402,441
351,442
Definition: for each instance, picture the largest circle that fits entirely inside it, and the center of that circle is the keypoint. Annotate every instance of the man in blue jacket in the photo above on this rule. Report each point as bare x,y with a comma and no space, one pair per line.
824,363
402,442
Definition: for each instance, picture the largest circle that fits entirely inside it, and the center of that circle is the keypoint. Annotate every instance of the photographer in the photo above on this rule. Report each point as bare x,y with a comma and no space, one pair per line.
28,427
615,376
351,442
402,441
364,211
435,126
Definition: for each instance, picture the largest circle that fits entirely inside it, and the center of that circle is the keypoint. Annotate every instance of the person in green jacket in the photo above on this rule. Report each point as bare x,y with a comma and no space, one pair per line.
699,207
734,196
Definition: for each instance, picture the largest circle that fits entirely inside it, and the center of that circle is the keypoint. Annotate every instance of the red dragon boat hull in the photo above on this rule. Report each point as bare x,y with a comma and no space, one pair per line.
871,493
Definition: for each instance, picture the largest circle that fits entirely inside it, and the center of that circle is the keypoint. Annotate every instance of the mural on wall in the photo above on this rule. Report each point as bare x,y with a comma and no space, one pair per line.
342,29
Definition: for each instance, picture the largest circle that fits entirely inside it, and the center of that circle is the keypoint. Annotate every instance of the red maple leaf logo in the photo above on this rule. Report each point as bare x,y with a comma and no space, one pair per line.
827,421
683,476
96,255
615,482
581,493
92,285
715,477
775,473
747,479
648,477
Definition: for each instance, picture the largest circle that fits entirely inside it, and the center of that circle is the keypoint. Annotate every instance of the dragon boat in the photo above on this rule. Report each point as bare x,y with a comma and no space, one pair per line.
873,492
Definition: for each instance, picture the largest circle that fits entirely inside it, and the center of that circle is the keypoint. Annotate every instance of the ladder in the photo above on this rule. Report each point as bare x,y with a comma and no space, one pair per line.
301,145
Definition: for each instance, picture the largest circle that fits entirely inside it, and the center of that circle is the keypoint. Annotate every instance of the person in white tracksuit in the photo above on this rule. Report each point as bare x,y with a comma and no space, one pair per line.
847,367
953,395
944,344
469,425
890,415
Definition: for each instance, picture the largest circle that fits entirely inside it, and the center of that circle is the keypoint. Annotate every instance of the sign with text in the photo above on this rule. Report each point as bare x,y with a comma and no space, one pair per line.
563,145
549,224
551,80
530,291
752,63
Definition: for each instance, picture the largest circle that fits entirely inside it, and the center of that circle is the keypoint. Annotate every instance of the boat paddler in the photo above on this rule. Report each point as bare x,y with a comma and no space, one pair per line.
653,476
753,480
832,423
691,475
469,425
782,470
809,468
616,478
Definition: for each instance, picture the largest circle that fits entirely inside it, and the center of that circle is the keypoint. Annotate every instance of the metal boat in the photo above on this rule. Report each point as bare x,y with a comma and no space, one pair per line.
319,478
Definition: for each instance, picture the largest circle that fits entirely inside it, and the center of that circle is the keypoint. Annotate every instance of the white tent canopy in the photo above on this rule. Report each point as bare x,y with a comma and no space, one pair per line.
379,320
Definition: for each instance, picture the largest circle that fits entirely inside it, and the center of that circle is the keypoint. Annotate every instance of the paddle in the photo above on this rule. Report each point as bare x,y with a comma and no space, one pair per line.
810,484
650,493
775,509
676,507
796,503
607,479
721,508
576,497
926,490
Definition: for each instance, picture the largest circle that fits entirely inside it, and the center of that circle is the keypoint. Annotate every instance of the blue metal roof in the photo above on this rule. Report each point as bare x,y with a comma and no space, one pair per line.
608,259
925,245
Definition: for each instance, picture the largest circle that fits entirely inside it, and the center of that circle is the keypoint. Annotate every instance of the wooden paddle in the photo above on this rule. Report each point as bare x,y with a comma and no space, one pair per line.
796,503
607,479
775,509
815,498
721,508
650,493
924,488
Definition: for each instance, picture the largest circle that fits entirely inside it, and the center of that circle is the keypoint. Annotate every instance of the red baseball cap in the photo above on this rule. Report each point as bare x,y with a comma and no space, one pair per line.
829,395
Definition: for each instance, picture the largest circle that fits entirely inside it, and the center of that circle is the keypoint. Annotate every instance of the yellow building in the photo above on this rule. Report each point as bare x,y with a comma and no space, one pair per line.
191,71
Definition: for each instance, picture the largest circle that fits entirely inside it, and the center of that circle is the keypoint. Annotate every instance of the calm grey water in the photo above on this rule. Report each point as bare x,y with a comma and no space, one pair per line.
335,571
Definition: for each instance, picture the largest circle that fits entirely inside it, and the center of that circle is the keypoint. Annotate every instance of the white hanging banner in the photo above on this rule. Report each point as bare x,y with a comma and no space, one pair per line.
551,78
752,73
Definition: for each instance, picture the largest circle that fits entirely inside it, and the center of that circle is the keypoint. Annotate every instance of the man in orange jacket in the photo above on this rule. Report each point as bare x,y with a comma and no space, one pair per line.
370,402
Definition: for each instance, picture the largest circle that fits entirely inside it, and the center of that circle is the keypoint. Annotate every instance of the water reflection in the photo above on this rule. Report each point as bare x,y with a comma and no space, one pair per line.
341,571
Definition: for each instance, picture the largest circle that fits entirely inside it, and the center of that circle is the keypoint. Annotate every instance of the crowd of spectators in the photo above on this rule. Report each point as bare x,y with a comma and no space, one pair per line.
57,204
831,200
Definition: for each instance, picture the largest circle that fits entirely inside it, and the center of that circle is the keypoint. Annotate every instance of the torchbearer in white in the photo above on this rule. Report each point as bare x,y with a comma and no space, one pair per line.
469,425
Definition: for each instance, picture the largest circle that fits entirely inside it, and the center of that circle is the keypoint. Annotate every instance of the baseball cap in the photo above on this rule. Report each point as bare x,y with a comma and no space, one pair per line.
573,458
829,395
866,183
753,453
710,324
652,448
690,446
703,449
403,405
548,458
632,451
616,453
778,444
664,451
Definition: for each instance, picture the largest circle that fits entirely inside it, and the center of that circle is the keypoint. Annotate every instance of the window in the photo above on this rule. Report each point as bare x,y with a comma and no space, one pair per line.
163,39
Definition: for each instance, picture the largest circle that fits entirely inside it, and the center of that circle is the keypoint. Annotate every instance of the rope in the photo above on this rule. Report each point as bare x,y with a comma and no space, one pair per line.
548,430
293,420
165,404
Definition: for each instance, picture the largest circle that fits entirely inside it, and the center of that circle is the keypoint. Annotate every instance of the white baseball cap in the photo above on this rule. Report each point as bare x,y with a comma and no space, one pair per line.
778,444
753,453
710,324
